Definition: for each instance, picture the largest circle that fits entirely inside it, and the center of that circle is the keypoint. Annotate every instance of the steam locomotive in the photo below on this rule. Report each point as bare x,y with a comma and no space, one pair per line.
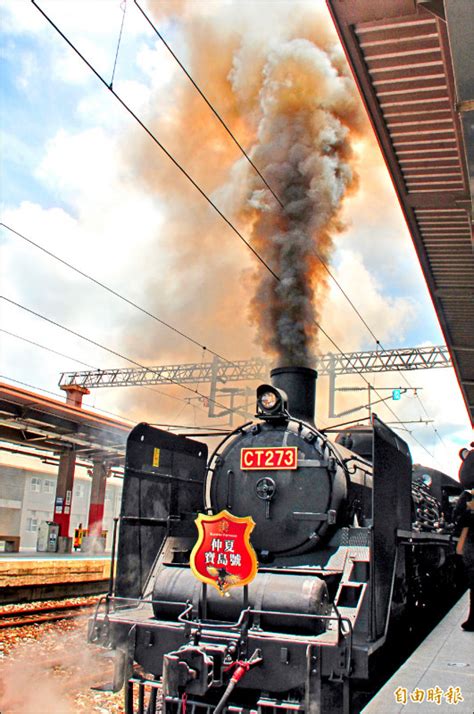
349,543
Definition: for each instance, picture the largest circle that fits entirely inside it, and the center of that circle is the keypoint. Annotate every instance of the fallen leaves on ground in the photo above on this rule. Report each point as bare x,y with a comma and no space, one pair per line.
50,669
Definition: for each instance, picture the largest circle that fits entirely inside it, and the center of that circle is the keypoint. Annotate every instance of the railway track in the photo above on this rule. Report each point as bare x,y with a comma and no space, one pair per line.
16,594
21,617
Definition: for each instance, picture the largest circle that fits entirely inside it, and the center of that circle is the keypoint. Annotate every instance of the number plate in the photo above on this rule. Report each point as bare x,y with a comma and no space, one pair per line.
270,458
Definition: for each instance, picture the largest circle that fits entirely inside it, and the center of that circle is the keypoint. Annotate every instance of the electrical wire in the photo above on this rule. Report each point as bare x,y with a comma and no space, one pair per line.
211,107
120,416
152,136
320,258
108,349
56,394
197,187
188,426
156,141
115,293
48,349
179,332
31,386
86,364
244,153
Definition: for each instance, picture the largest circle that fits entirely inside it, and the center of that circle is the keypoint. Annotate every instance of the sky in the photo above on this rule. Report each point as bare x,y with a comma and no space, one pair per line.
82,179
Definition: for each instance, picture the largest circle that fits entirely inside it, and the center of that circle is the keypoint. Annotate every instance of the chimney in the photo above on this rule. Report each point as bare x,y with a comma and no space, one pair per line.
299,383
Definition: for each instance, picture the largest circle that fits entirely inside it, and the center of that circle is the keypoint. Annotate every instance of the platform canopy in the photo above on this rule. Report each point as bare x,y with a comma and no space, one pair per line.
34,423
413,61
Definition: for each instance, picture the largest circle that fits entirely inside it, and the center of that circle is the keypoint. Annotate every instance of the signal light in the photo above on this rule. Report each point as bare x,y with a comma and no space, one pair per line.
396,395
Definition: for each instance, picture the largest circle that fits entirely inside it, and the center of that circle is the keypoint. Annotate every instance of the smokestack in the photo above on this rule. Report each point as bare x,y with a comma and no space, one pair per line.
299,383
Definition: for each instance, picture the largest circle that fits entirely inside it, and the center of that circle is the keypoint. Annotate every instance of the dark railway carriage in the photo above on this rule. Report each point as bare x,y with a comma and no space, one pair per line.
346,545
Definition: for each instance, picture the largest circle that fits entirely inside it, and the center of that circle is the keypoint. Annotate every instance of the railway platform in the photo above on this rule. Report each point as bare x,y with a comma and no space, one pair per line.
37,576
439,675
34,555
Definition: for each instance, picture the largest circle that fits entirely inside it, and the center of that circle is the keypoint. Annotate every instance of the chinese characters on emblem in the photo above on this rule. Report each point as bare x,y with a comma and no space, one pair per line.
222,553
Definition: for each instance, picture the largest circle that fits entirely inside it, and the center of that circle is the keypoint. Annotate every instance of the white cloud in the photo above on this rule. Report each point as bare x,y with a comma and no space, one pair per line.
92,162
157,64
69,68
86,16
387,317
20,16
28,71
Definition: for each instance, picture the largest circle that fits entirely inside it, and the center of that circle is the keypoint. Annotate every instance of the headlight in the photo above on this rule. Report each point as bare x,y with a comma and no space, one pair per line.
269,400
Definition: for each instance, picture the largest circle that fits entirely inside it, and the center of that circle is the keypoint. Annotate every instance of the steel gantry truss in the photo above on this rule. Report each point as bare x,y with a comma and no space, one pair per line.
399,360
219,372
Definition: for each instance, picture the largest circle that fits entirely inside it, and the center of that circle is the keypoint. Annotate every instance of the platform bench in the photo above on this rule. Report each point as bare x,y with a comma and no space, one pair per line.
12,543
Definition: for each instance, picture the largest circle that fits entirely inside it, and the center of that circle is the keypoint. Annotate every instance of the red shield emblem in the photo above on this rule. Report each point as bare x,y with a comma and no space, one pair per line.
223,555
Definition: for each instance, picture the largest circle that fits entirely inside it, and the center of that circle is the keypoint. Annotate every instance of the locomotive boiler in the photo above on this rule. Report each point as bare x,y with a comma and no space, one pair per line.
347,546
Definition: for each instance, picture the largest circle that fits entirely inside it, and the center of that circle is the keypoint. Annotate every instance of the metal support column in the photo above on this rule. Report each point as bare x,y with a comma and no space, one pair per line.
332,385
213,387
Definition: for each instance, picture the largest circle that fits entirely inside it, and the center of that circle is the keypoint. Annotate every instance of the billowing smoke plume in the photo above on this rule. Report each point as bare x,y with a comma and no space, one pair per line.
303,149
277,75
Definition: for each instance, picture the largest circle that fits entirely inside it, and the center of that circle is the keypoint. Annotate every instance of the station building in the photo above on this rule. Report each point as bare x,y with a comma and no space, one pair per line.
27,498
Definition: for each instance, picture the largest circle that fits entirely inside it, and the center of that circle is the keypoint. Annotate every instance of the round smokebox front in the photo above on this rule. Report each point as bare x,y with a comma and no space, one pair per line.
278,499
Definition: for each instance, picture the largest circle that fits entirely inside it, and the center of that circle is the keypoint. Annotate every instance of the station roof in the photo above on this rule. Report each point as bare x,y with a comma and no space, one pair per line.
37,422
413,62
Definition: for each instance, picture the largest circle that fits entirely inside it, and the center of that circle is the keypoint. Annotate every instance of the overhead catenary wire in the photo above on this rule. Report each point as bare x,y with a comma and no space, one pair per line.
244,153
86,364
56,394
138,364
152,136
156,140
131,302
189,426
211,107
169,325
114,292
48,349
163,425
198,188
108,349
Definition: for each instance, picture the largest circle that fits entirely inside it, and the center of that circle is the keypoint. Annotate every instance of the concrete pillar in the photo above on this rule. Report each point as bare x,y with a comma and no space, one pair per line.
65,483
64,486
96,504
74,394
93,543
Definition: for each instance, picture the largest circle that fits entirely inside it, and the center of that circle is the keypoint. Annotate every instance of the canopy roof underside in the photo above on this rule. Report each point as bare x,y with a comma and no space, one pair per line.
413,61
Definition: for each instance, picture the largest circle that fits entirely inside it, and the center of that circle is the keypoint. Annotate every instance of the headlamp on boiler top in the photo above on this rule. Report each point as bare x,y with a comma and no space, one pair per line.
271,402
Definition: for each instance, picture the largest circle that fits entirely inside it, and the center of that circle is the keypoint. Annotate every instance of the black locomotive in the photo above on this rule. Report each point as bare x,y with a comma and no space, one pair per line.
349,543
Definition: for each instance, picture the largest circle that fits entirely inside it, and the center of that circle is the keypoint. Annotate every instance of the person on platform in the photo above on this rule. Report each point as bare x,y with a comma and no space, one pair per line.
464,516
78,532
